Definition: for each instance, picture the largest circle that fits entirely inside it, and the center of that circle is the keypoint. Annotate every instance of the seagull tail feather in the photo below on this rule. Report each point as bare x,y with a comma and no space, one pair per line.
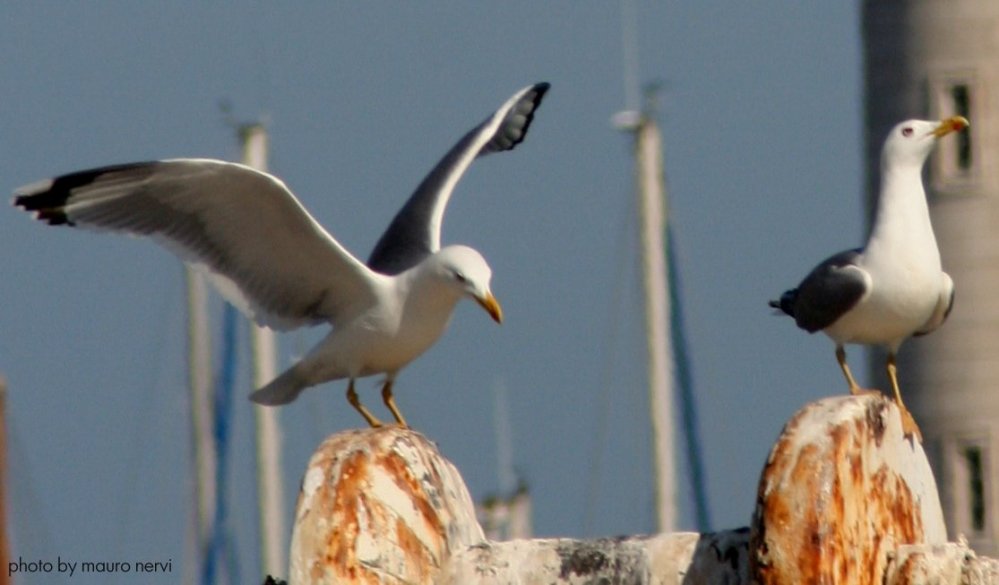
785,305
282,390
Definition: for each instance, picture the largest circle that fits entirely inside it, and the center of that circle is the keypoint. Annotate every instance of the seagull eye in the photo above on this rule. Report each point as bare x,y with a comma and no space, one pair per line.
460,277
907,131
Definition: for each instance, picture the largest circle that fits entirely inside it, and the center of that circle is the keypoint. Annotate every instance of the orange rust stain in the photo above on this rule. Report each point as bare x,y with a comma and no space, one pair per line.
420,563
401,474
346,494
788,515
856,463
902,510
912,570
399,470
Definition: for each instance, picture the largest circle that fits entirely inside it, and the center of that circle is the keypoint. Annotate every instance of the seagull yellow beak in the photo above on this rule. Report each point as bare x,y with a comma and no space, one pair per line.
492,306
953,124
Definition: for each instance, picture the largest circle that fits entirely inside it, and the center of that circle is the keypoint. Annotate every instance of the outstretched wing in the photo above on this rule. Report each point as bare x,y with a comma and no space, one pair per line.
266,254
415,231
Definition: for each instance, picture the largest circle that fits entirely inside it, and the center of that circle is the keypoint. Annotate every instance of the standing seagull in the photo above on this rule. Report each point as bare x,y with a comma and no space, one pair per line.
893,287
270,258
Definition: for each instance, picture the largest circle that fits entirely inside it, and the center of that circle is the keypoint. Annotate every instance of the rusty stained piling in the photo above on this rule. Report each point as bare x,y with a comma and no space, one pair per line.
843,498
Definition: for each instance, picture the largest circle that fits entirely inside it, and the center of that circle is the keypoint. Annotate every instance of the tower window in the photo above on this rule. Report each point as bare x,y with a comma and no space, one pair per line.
975,476
960,97
954,168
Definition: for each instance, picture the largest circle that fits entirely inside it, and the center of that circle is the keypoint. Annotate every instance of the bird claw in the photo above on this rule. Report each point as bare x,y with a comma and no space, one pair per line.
910,430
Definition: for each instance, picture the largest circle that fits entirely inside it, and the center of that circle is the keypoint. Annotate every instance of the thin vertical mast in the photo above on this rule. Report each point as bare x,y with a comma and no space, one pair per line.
652,227
651,191
264,347
202,409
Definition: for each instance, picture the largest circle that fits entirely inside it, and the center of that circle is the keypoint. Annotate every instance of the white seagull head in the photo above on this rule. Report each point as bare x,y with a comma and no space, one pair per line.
465,272
910,142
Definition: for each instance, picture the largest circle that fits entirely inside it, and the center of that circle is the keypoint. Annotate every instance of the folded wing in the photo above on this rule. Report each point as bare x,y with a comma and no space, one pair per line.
831,289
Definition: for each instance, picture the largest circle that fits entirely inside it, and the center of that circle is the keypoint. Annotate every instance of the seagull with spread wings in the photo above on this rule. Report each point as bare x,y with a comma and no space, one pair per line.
269,257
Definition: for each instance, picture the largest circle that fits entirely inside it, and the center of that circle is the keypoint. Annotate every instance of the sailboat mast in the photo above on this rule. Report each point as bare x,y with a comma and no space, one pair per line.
202,412
655,279
651,190
651,198
264,347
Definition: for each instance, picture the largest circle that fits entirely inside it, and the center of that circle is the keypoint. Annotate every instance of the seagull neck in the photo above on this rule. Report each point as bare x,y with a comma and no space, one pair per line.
424,292
902,217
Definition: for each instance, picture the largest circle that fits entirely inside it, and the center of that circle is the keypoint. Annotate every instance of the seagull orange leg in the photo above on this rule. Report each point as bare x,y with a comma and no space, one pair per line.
855,388
389,399
841,358
356,403
909,426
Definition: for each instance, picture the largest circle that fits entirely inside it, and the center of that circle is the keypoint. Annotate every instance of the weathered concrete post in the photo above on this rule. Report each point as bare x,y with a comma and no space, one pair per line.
379,506
841,490
843,498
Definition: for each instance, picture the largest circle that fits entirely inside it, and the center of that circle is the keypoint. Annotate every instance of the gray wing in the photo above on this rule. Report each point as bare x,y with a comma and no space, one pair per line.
831,289
415,231
266,254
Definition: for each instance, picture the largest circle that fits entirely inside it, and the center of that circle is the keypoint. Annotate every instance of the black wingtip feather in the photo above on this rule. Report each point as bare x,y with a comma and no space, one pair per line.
48,200
53,217
511,139
540,89
64,185
46,206
41,202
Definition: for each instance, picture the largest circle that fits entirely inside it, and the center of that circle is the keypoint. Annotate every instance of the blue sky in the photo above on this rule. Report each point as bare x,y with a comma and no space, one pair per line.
762,120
